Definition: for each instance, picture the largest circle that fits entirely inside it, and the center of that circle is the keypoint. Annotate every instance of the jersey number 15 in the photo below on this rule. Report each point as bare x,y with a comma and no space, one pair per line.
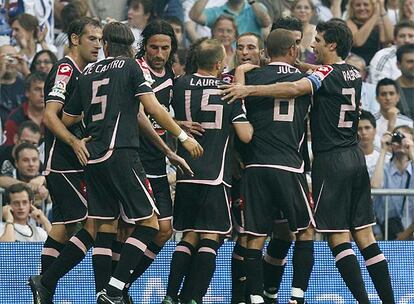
206,107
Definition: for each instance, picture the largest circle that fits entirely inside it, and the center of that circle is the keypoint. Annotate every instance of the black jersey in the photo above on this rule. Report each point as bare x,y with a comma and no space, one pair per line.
162,87
279,124
59,87
197,98
335,109
107,95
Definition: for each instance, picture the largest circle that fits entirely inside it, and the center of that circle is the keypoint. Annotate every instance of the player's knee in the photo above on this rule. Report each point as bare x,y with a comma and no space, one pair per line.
306,235
254,242
60,233
364,237
191,238
164,233
150,222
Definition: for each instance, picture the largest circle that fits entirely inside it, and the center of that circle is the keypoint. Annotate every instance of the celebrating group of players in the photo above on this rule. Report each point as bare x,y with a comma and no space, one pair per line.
105,128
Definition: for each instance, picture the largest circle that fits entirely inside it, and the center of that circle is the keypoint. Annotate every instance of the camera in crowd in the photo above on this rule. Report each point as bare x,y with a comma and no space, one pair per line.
397,137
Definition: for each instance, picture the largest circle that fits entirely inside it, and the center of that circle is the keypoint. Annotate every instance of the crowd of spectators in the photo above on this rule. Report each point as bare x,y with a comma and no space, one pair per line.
33,37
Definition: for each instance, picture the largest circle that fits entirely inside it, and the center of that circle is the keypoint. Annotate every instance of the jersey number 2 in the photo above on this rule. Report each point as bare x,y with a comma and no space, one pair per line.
99,99
344,108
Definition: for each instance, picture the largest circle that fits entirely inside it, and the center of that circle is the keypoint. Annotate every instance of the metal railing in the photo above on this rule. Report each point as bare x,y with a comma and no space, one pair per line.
387,193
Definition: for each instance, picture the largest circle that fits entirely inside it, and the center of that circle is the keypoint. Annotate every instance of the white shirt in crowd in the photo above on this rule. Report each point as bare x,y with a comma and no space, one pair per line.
368,98
26,233
384,65
203,31
371,160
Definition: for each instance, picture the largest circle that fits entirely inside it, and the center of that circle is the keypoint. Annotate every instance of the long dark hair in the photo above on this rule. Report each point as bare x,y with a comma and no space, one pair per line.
51,55
158,27
119,39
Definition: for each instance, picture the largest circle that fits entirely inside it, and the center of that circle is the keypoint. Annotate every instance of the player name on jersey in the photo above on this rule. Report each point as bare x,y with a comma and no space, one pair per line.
100,68
284,69
351,75
205,82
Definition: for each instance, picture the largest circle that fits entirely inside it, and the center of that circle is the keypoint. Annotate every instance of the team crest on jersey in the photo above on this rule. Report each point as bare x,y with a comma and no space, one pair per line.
323,71
228,78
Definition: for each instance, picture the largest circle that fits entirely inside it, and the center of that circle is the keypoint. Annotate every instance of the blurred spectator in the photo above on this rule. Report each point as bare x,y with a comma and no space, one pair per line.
384,62
393,11
11,86
193,30
27,162
5,29
109,8
370,27
304,10
28,171
43,62
277,8
406,10
225,30
29,38
397,174
30,135
43,11
178,27
368,99
28,132
72,11
366,132
328,9
17,215
405,61
168,8
388,117
250,16
179,62
139,15
32,109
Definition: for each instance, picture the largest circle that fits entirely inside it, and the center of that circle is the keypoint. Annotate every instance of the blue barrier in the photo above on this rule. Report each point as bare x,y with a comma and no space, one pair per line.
20,260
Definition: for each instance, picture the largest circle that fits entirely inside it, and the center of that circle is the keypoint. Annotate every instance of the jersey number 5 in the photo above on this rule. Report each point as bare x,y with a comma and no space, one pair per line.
206,107
344,108
99,99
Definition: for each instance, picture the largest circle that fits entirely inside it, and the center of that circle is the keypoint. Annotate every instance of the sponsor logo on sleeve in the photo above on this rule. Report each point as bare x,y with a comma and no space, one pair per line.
146,72
63,75
323,71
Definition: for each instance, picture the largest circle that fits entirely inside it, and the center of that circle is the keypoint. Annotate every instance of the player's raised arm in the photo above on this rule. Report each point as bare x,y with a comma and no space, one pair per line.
278,90
148,131
153,107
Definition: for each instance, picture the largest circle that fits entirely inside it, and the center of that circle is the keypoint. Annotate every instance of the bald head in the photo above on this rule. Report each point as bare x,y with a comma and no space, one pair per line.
8,49
279,42
209,52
